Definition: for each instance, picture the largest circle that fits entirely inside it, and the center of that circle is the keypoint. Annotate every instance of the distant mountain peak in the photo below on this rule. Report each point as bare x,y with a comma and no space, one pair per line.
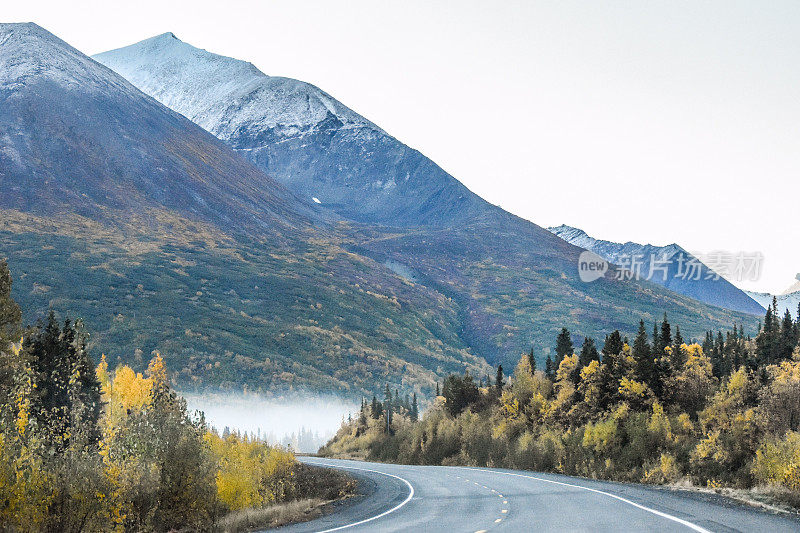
794,287
579,237
706,287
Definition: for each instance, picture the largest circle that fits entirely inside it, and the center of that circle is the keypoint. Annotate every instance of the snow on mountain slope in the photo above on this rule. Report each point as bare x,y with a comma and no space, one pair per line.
30,52
788,300
195,82
73,132
668,266
298,134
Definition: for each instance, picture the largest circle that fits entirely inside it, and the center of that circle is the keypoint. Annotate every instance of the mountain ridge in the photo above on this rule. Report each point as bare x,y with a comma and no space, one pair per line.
358,170
708,286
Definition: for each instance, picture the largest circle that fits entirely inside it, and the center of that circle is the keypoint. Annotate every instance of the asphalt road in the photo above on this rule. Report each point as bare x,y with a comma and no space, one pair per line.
456,499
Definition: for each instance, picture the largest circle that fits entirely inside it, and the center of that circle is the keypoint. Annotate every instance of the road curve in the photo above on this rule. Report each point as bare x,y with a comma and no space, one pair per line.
455,499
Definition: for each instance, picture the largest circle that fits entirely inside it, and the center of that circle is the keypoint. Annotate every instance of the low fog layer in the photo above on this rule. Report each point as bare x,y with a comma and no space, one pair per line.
305,423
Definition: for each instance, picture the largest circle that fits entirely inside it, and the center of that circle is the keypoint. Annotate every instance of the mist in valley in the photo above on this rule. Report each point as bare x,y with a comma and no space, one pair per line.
303,423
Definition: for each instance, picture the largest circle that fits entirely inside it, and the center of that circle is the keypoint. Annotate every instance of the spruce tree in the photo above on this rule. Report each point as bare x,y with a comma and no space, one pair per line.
718,357
613,345
10,313
787,340
564,346
376,410
666,335
532,361
498,381
588,352
67,399
414,408
388,406
656,340
678,357
642,356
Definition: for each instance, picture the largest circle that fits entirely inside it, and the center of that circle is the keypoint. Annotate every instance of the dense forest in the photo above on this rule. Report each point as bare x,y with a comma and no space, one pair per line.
85,448
657,409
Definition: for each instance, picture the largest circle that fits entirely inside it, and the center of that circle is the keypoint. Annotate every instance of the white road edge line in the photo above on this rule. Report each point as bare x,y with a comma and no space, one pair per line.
681,521
393,509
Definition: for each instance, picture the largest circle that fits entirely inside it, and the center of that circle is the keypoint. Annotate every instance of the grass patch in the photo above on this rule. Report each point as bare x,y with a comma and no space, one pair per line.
317,486
275,515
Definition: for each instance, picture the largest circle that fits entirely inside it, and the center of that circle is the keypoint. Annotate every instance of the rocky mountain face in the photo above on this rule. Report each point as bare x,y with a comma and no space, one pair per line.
669,266
299,134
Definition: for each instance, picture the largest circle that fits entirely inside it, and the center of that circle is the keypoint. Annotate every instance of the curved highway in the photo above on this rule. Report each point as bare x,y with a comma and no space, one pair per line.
456,499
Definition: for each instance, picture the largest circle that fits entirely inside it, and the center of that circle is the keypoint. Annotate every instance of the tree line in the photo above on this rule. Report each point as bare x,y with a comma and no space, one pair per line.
655,408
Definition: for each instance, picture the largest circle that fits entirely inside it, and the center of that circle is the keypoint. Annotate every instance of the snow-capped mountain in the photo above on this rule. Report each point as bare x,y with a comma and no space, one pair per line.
75,134
670,266
788,300
299,134
254,102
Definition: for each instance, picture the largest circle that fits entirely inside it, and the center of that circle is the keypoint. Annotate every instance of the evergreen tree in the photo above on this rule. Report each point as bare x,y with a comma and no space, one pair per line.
588,352
388,407
414,414
657,345
718,357
499,383
564,346
678,357
612,347
666,335
377,409
642,356
67,390
768,340
532,361
548,367
459,393
10,313
708,343
787,340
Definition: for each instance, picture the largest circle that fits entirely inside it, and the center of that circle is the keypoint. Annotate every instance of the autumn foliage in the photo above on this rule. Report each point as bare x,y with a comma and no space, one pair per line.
653,409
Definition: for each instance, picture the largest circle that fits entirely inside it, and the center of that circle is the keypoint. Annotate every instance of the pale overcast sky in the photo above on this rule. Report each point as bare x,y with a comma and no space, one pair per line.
648,121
